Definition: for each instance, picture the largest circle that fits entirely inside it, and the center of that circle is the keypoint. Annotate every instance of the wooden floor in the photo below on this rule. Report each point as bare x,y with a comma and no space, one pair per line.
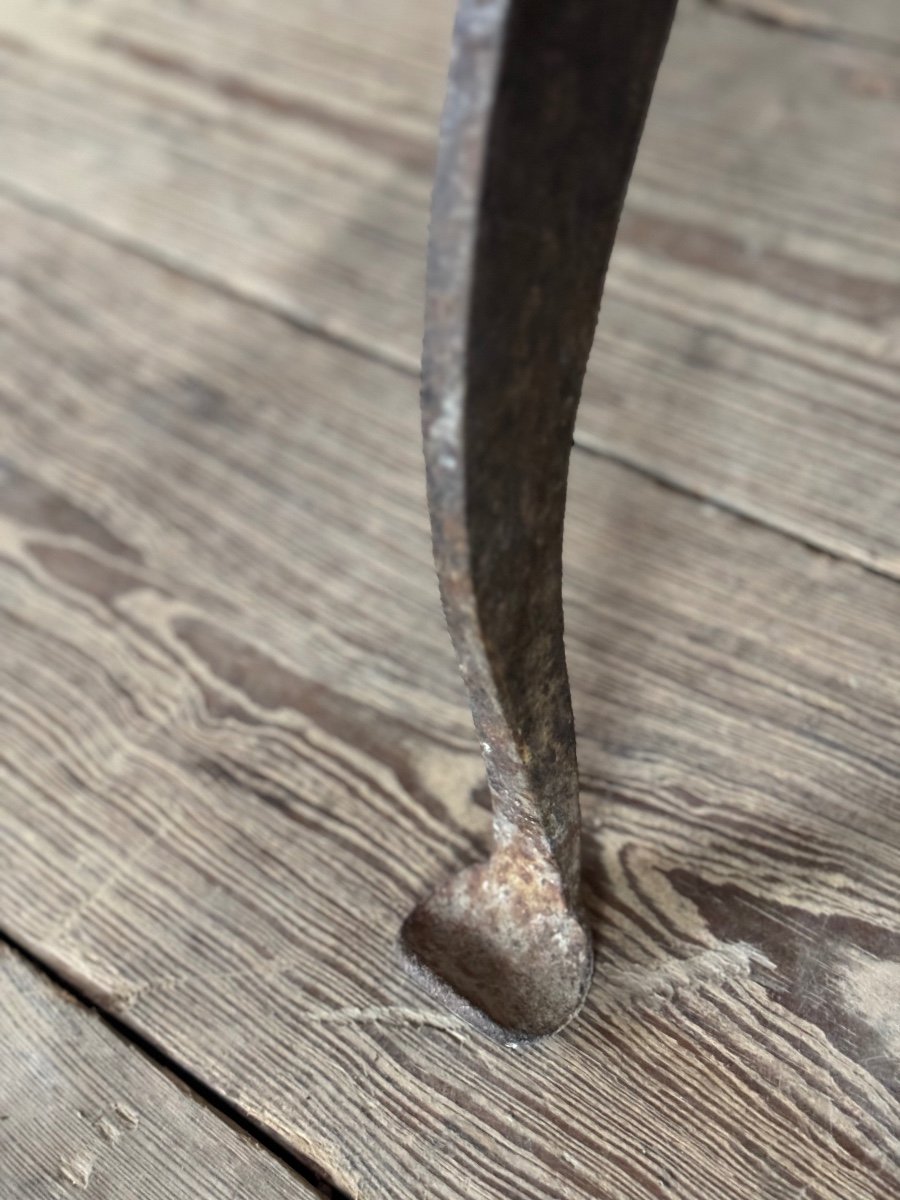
235,748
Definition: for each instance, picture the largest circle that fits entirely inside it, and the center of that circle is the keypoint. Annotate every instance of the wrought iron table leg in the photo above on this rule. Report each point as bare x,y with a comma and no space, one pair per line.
545,106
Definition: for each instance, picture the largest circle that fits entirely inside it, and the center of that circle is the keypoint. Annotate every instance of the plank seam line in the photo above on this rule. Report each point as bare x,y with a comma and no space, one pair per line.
403,364
596,450
309,1171
159,259
802,21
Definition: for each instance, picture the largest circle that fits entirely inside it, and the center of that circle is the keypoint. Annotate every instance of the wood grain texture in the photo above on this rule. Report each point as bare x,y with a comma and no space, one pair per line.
749,347
82,1111
236,750
871,23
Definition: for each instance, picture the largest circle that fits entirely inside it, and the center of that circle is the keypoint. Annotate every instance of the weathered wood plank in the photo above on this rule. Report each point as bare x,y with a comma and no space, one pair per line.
873,22
236,751
748,350
82,1110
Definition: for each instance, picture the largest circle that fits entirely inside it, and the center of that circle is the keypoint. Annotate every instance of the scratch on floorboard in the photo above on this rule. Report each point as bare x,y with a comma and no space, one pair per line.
120,995
72,918
617,987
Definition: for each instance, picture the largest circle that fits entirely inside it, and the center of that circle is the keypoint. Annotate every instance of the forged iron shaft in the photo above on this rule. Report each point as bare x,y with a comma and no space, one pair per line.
545,105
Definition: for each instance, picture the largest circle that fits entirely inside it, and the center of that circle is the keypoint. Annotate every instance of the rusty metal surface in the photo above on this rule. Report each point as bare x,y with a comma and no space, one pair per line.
544,110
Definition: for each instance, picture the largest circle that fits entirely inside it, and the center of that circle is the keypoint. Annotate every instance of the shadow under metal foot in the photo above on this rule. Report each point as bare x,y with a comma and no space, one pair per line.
498,945
544,110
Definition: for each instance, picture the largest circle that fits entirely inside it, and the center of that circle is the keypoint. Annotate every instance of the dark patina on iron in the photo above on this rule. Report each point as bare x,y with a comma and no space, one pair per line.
545,106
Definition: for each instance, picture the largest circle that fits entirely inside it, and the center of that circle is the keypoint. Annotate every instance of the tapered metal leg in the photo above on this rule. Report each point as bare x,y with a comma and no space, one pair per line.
545,106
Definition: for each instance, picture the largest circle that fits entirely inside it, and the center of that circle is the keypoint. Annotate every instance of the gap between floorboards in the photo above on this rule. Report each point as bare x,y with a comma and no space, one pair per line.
401,363
307,1170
